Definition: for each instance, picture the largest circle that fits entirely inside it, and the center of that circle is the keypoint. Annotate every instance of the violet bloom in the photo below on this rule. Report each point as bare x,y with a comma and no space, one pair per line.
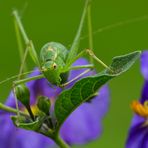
138,133
82,126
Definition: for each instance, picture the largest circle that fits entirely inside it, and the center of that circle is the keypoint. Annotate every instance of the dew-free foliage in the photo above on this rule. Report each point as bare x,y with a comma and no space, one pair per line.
86,88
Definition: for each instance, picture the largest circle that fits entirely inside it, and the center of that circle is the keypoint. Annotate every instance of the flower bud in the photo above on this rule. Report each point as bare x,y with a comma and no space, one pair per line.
44,104
23,94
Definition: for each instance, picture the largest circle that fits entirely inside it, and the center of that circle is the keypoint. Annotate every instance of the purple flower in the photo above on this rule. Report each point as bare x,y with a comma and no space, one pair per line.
138,133
83,125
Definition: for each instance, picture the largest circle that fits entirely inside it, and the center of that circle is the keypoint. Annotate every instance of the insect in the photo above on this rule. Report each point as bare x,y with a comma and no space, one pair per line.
55,60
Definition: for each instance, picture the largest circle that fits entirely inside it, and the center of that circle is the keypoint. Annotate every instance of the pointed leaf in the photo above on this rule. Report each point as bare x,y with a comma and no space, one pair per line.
85,89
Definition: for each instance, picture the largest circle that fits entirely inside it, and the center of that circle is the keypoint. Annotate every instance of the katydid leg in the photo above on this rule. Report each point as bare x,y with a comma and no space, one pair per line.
28,42
81,67
17,82
23,63
16,101
75,45
90,32
20,45
77,77
90,53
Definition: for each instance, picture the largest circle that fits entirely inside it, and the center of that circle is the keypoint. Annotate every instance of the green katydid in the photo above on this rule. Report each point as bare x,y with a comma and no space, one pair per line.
55,60
48,66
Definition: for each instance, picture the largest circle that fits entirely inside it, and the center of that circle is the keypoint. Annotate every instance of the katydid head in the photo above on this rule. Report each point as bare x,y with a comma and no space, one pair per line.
51,72
49,66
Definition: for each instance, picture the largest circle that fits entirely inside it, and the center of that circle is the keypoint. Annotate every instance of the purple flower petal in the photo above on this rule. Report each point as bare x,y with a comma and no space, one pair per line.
75,73
37,88
144,96
138,133
7,131
136,136
12,137
84,124
31,140
144,64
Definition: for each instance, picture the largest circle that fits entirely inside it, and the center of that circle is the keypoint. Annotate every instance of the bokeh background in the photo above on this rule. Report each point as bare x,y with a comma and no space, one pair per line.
57,20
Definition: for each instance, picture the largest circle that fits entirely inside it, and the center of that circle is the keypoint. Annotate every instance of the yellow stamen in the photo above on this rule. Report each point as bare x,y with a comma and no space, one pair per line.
140,109
34,109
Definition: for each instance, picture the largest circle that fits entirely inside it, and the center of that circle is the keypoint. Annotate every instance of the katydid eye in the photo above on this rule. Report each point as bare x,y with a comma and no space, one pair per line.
54,65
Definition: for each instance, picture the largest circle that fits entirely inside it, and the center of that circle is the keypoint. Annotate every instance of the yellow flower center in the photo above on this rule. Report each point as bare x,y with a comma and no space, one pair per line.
34,109
140,109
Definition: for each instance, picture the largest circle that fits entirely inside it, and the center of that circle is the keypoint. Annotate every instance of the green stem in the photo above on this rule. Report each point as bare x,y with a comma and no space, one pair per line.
90,33
55,137
11,110
60,142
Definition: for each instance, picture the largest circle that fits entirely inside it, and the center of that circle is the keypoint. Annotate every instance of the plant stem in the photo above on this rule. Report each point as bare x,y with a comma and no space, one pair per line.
11,110
60,142
54,135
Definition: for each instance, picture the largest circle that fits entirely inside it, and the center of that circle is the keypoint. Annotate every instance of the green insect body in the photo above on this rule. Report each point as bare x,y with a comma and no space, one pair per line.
53,60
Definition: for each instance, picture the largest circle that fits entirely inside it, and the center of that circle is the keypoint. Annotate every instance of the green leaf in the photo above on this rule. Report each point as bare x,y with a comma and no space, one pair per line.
122,63
85,89
27,124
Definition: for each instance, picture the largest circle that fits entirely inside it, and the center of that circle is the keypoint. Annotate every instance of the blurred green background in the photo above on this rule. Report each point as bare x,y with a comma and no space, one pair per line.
57,20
